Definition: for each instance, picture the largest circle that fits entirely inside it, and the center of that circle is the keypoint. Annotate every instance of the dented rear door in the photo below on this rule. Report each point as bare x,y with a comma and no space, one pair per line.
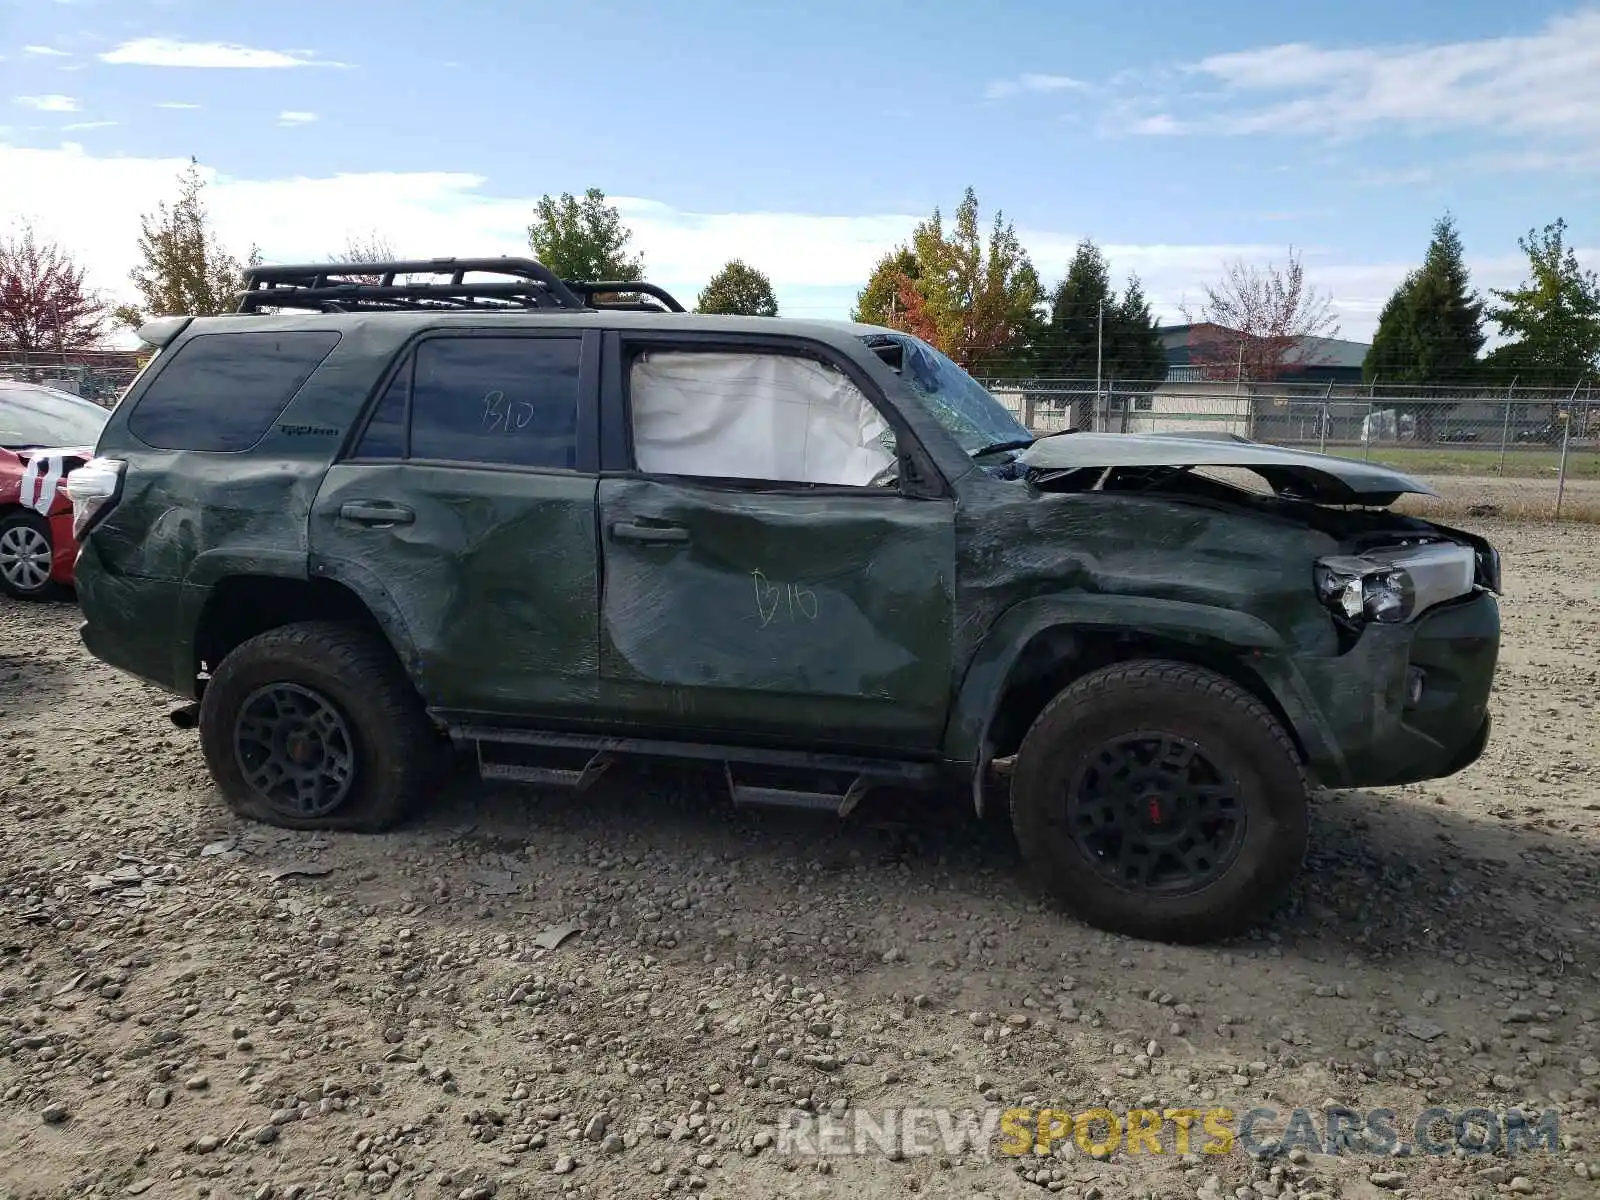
465,520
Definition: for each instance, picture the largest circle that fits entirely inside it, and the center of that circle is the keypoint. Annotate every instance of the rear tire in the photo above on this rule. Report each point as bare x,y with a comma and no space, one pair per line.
27,555
1160,800
315,726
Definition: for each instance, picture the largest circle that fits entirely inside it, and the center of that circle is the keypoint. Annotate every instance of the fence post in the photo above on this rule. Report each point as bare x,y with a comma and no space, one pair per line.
1322,426
1505,428
1366,427
1566,441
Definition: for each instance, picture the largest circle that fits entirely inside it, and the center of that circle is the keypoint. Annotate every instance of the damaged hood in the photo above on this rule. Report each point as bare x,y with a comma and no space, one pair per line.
1296,474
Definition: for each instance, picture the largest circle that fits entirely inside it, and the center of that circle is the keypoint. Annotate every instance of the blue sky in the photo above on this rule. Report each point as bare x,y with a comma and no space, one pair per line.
808,139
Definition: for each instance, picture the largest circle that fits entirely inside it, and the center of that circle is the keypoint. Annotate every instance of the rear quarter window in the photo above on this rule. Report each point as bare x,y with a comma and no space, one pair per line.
222,391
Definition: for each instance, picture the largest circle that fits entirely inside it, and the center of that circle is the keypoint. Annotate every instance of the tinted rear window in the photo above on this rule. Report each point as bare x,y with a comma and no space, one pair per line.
222,391
502,400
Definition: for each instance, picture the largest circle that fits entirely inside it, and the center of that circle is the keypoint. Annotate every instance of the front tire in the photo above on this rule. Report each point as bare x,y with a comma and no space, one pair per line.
315,726
1160,800
27,554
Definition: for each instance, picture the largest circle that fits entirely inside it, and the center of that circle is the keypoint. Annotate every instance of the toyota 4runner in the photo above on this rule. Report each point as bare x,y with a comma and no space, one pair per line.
388,508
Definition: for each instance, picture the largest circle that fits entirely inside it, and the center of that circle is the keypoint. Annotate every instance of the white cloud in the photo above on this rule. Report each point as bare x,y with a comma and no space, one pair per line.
1546,83
296,118
1157,124
58,104
44,52
77,125
180,104
168,52
92,205
1003,89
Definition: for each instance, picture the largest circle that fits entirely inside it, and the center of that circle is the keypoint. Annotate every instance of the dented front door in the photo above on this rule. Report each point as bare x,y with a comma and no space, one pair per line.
803,618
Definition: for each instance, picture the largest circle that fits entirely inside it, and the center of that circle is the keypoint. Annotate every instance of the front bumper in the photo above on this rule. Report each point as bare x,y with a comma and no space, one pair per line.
1365,728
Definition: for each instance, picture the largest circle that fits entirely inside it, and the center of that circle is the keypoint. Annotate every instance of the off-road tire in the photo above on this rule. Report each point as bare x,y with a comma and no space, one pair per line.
1235,731
398,753
22,518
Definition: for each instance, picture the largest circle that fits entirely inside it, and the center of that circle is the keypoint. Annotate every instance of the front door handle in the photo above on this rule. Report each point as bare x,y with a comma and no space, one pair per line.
366,512
627,531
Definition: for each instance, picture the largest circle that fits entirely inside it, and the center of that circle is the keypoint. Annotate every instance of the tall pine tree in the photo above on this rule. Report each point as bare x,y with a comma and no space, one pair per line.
1077,309
1136,352
1431,329
1090,323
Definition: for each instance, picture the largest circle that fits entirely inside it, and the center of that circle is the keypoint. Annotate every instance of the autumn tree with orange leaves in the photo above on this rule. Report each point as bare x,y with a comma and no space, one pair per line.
977,301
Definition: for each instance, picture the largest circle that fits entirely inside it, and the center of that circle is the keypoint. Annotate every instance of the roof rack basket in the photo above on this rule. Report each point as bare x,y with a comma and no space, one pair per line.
439,284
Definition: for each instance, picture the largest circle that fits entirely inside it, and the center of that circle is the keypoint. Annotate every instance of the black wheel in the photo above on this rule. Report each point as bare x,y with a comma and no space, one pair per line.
26,554
315,726
1162,801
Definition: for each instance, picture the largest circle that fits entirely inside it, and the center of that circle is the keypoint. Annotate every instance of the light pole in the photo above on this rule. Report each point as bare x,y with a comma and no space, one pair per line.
1099,358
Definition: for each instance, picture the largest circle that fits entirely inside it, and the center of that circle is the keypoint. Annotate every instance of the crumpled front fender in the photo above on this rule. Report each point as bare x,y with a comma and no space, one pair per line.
1254,644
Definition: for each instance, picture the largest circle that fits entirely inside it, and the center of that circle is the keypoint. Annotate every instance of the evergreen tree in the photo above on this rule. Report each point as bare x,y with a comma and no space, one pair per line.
1135,352
1446,314
1069,344
1431,328
1393,355
1088,323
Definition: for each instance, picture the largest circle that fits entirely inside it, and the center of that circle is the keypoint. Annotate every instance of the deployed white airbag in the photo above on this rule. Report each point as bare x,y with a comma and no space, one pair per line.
753,416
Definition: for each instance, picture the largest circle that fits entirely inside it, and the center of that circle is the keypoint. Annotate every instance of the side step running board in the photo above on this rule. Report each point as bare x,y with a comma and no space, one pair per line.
747,795
756,778
566,778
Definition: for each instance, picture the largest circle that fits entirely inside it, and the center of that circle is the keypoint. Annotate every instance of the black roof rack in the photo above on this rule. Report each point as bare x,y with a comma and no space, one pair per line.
617,287
522,284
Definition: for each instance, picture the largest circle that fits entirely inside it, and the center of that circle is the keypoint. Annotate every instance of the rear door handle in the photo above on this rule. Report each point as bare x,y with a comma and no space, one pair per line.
367,512
627,531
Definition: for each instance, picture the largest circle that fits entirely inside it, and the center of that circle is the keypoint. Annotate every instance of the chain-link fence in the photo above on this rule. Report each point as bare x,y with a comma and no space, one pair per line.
1514,450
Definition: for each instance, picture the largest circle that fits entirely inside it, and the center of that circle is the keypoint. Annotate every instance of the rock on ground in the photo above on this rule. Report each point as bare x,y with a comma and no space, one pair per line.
195,1006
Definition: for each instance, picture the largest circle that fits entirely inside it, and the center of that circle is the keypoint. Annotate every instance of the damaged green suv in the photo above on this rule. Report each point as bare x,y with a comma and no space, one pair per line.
390,508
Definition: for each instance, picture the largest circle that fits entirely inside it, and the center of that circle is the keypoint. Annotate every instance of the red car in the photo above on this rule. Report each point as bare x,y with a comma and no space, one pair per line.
45,435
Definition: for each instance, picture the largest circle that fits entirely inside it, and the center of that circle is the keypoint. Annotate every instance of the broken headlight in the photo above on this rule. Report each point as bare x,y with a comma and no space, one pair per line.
1392,585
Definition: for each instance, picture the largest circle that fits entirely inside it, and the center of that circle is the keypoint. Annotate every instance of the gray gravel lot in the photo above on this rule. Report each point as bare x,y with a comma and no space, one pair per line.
191,1006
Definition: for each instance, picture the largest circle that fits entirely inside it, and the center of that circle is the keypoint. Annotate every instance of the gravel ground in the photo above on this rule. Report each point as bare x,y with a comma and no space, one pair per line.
193,1006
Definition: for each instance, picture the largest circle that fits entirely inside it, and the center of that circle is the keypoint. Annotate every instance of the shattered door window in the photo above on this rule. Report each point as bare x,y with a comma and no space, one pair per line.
772,417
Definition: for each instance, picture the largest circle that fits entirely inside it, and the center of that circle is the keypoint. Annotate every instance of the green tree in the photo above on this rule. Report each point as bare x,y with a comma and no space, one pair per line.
977,301
183,268
1069,344
1089,324
877,303
1431,328
583,240
1553,318
738,290
1135,351
1393,355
